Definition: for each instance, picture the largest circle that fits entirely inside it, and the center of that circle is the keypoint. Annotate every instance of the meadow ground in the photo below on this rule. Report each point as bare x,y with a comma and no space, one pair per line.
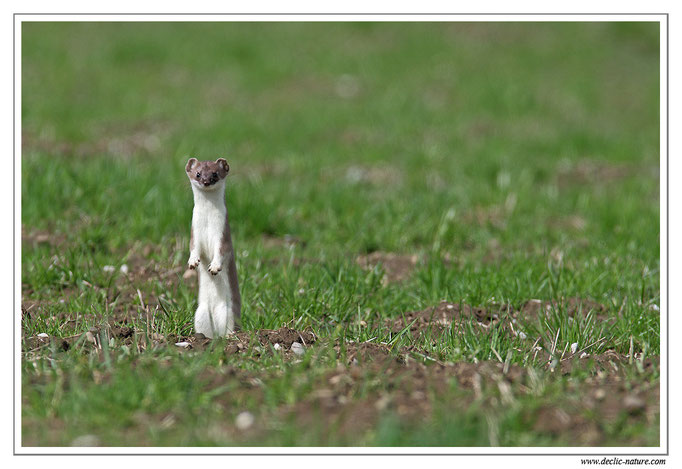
447,234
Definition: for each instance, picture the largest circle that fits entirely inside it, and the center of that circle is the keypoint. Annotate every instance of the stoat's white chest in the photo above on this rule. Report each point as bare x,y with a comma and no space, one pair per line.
208,219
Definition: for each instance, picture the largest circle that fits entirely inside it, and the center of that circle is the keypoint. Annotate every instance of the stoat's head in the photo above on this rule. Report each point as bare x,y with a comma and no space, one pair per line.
207,175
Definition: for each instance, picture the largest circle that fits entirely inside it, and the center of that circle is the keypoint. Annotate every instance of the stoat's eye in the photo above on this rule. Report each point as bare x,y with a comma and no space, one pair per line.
215,175
198,174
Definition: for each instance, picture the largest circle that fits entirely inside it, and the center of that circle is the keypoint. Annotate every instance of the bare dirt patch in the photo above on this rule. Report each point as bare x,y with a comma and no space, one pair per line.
364,352
608,362
373,175
397,267
596,404
286,241
282,339
570,222
445,314
574,307
42,237
594,172
413,391
437,319
495,216
115,140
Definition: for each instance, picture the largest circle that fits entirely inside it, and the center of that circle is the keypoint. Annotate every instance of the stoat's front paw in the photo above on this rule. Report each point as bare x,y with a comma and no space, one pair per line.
214,268
193,261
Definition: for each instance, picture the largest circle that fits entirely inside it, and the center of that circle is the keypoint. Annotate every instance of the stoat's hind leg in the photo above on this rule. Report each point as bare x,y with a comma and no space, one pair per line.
223,320
203,321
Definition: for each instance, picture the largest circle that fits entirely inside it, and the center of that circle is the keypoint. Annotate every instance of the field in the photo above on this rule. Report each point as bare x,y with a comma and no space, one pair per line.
457,224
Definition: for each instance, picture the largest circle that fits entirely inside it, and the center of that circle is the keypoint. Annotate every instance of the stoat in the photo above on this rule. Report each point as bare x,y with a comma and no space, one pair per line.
211,251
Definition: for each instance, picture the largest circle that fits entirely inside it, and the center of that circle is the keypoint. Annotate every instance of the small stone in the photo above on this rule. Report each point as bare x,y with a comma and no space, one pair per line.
183,344
449,306
232,349
323,394
334,380
124,269
168,421
109,269
256,382
297,348
523,335
654,308
90,337
85,440
277,346
633,403
574,347
584,354
244,420
43,335
599,394
382,402
347,86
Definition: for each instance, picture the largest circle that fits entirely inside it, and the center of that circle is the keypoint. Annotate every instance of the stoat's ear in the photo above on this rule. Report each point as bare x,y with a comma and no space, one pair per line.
190,163
223,164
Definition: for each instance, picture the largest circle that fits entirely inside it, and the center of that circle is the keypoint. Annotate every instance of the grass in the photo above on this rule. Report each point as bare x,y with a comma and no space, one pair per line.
524,154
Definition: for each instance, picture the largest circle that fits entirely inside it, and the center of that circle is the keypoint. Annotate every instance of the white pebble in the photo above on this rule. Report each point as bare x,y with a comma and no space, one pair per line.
244,420
347,86
277,346
574,347
43,335
583,355
85,440
90,337
523,335
297,348
109,269
183,344
124,269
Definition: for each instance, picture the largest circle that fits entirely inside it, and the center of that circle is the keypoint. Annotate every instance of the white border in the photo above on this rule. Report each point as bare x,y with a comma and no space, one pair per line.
313,17
664,156
474,451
